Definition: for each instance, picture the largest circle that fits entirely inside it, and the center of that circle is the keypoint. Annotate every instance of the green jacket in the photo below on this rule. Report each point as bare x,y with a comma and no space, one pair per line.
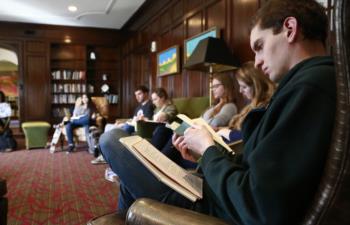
275,179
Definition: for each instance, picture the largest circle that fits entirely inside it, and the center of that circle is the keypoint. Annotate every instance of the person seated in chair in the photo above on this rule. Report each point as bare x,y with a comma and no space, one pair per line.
165,111
143,111
255,88
275,178
80,118
217,115
7,142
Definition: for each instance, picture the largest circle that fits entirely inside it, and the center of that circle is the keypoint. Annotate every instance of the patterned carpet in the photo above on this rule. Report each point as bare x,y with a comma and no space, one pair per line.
46,188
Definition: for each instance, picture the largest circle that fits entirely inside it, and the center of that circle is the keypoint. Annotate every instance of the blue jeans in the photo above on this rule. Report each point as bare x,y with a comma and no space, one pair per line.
135,180
162,140
81,122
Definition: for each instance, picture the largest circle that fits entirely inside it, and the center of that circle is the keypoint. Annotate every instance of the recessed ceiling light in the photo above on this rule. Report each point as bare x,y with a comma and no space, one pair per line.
72,8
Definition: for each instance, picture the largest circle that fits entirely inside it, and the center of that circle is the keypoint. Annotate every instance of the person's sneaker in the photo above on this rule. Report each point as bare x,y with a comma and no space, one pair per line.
111,176
70,149
99,160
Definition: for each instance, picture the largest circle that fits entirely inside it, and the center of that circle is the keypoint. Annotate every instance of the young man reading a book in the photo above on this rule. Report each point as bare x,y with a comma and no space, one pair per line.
274,180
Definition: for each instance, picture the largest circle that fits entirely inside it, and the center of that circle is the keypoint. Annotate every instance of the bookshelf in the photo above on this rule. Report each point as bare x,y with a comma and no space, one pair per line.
68,78
102,75
74,71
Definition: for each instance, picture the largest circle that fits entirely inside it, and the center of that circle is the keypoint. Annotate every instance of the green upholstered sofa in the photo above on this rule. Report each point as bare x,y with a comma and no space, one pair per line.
192,107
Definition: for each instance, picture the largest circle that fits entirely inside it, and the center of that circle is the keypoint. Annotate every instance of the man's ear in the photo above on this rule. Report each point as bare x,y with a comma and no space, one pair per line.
291,27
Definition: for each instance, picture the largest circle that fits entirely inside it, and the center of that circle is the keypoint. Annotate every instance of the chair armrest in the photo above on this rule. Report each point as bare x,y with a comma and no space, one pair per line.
146,212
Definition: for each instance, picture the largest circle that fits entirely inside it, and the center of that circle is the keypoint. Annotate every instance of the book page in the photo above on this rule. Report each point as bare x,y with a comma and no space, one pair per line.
174,125
171,169
153,167
201,121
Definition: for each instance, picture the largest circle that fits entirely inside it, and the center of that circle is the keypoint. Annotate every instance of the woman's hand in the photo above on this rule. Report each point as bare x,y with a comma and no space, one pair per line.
224,132
161,117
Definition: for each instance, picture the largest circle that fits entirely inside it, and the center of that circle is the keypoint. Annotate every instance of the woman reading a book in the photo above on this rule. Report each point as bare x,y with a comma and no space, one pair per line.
165,111
257,89
217,115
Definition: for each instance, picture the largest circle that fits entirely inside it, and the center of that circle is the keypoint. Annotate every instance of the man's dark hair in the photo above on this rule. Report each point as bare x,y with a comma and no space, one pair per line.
142,88
310,15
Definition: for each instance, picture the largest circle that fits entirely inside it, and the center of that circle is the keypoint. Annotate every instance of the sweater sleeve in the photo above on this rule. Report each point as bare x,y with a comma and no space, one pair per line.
170,112
224,116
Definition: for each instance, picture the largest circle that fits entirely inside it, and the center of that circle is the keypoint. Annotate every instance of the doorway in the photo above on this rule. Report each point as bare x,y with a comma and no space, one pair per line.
9,79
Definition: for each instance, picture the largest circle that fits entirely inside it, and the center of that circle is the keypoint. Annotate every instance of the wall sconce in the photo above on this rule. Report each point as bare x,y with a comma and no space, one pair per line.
67,40
92,55
153,46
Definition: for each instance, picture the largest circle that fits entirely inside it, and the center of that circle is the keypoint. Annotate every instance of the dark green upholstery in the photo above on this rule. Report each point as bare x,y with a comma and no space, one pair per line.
192,107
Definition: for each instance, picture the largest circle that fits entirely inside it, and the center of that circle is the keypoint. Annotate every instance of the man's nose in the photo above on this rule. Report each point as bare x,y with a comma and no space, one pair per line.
258,62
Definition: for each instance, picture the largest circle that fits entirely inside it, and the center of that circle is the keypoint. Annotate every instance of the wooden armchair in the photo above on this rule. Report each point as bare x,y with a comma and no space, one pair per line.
332,202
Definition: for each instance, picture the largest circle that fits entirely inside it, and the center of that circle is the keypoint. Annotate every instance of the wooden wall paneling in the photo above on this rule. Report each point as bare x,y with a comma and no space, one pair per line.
36,47
125,90
178,37
37,85
155,31
192,4
178,11
194,26
243,11
165,19
216,16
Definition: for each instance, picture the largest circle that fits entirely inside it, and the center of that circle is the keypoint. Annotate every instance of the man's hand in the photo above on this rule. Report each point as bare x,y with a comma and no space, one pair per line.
198,139
180,145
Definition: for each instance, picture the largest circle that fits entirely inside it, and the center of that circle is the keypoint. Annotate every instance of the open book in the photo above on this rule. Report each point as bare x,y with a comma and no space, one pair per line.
163,168
187,122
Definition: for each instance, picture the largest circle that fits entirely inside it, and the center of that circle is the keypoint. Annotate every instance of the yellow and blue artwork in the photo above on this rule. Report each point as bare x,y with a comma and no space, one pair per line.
191,43
168,61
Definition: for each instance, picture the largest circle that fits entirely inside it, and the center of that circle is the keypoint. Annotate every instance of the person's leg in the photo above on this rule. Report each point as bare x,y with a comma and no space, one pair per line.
69,131
128,128
136,180
161,136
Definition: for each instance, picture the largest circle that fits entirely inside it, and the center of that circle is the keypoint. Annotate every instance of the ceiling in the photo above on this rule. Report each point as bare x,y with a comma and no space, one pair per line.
91,13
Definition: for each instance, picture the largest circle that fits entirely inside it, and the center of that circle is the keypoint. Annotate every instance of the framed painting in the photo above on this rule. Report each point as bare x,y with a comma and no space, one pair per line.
191,43
168,61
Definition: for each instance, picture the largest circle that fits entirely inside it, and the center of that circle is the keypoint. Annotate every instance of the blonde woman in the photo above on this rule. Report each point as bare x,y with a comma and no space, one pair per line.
257,89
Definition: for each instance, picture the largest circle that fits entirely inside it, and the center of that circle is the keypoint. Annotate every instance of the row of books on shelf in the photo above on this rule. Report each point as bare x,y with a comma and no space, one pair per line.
68,75
72,88
112,98
64,98
60,112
